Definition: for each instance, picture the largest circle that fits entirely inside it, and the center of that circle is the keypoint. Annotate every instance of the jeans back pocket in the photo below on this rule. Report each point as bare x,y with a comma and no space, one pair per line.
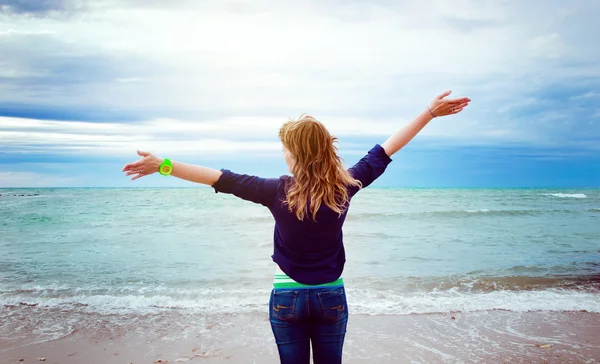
334,305
283,304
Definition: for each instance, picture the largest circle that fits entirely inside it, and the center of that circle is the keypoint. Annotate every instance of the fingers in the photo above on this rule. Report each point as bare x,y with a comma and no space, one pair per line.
459,108
461,100
139,175
441,96
135,171
133,165
142,154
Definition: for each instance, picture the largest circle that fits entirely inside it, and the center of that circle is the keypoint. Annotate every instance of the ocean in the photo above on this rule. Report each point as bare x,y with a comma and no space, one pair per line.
78,256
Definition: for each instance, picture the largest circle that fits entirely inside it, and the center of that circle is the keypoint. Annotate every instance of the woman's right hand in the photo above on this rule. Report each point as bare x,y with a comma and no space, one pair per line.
440,106
146,166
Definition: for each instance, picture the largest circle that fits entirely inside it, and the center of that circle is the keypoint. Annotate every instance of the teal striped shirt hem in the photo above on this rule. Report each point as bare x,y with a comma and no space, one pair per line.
282,280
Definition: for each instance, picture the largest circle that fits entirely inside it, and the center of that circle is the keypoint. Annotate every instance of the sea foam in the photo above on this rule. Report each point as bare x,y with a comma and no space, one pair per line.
361,301
566,195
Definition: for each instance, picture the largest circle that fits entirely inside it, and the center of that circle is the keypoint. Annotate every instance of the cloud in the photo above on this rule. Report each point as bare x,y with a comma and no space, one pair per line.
587,95
40,8
130,79
252,136
191,71
548,46
467,25
212,51
41,67
10,32
31,6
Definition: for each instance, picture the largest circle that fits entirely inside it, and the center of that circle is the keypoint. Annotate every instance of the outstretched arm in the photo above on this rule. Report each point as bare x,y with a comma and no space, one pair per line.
250,188
190,172
438,107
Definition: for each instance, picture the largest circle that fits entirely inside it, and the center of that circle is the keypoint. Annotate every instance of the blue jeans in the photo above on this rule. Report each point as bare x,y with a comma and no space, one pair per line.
300,316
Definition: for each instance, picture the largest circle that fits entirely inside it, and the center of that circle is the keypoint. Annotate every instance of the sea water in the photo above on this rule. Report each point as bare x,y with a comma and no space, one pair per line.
135,253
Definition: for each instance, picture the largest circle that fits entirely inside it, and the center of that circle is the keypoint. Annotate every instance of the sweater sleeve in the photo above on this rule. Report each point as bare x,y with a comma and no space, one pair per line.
247,187
371,166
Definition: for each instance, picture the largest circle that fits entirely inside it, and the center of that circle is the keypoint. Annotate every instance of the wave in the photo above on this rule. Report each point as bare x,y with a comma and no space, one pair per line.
566,195
210,300
516,279
362,301
518,283
384,303
462,213
19,194
366,296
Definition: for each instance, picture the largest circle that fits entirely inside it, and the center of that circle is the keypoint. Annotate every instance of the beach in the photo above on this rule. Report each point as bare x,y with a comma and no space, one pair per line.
116,275
476,337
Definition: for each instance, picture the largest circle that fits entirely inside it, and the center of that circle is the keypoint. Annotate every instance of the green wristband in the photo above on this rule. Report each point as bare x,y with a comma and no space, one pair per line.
166,167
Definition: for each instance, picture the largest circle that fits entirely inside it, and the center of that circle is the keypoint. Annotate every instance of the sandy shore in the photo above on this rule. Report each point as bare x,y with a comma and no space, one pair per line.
476,337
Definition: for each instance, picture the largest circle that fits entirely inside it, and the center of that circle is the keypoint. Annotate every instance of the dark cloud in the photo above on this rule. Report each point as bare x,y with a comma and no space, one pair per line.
91,113
41,7
34,7
47,78
49,60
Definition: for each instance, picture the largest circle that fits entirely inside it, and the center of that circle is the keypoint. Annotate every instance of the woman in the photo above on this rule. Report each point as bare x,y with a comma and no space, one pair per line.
308,300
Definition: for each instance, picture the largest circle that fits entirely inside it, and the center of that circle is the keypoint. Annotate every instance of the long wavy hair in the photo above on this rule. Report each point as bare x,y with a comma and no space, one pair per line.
319,175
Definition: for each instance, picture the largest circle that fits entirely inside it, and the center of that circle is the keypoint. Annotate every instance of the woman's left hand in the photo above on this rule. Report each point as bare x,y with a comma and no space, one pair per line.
146,166
440,106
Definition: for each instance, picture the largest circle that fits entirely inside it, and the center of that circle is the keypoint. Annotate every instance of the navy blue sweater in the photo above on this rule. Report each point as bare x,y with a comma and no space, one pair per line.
309,252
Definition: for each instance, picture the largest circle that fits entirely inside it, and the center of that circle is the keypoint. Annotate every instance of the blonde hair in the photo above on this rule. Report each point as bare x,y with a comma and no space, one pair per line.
318,171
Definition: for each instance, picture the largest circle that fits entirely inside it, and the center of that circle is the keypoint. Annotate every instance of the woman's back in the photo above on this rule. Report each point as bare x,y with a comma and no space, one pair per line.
310,251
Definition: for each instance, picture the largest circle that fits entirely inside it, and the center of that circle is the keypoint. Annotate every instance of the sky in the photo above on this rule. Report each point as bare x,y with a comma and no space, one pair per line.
84,84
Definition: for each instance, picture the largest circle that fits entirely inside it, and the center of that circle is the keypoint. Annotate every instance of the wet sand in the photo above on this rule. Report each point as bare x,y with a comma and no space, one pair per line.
475,337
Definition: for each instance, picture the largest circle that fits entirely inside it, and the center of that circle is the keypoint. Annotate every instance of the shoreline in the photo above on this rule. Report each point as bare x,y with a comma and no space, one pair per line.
488,336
